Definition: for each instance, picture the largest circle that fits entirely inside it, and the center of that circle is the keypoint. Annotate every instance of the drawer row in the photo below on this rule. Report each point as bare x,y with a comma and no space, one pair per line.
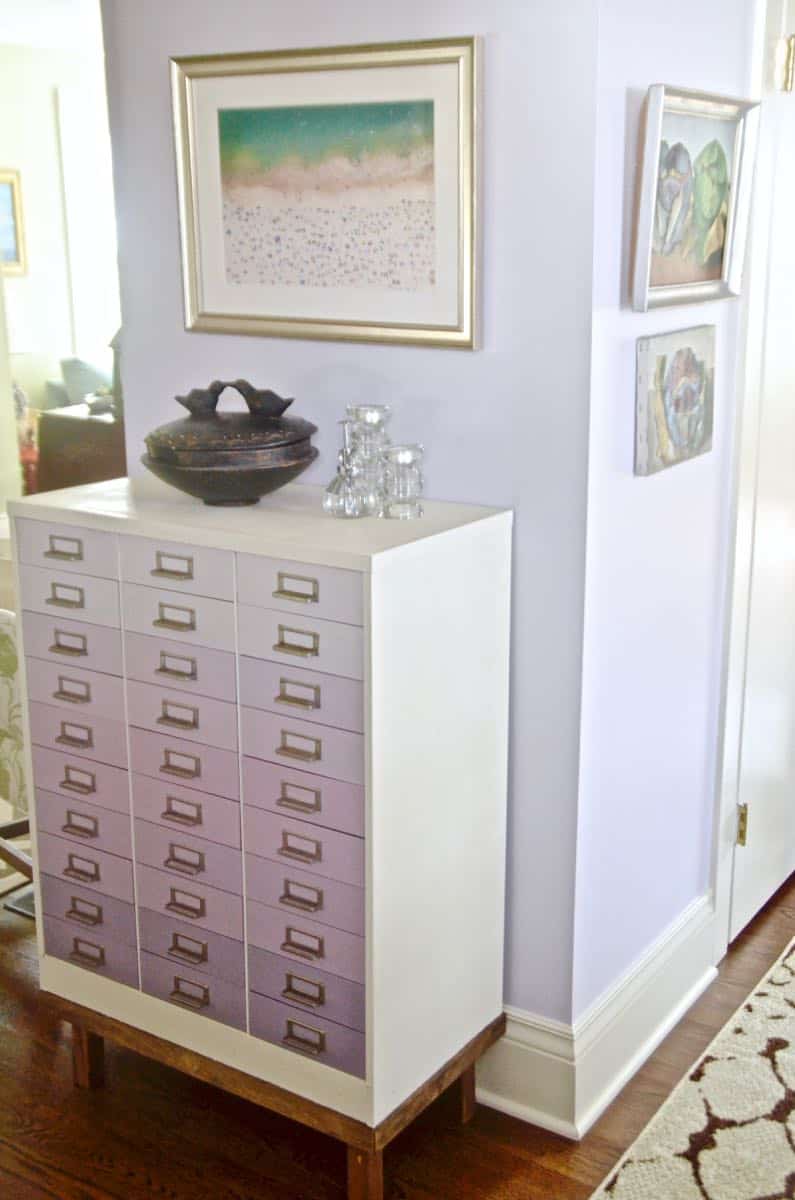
327,592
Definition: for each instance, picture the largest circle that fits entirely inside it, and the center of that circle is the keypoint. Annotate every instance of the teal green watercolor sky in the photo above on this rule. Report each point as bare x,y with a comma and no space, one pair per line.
263,138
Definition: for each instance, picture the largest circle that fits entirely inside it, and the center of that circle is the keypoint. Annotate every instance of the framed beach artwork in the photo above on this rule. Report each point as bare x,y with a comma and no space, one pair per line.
694,197
12,236
330,193
675,398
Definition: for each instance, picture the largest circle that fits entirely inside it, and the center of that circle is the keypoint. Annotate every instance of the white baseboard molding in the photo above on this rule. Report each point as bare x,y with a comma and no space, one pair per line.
562,1077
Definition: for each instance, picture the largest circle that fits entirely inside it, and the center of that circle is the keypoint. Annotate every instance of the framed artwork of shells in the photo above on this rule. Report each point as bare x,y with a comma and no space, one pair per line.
330,193
675,398
694,197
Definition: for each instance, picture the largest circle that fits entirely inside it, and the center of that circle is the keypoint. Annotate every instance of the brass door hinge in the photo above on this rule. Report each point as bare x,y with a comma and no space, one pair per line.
742,824
785,64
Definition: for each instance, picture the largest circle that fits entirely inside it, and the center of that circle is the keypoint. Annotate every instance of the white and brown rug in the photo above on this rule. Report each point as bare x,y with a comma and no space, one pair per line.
727,1132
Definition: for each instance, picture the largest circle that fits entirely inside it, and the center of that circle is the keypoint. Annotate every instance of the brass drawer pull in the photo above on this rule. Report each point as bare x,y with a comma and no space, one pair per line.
303,945
285,696
73,691
298,746
185,904
167,566
296,1037
185,860
73,645
87,954
65,549
182,812
301,990
169,715
300,849
298,798
301,595
79,825
183,766
76,780
176,672
83,870
64,595
79,736
309,648
301,896
189,994
84,912
179,625
188,949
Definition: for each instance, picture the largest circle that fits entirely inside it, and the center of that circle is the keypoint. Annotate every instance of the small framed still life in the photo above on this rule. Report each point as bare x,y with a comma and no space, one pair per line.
674,398
694,197
12,234
330,193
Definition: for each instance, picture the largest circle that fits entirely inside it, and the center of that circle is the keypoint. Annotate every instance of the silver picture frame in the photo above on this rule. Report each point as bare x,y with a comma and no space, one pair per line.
744,114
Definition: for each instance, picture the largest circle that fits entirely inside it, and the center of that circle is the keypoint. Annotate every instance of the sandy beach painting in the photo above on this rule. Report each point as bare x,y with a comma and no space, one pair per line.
329,195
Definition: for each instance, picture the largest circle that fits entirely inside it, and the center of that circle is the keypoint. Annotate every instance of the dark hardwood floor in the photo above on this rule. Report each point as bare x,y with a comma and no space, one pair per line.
156,1134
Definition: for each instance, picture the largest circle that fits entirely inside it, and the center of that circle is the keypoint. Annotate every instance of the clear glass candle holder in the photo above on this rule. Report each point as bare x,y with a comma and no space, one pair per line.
370,422
403,482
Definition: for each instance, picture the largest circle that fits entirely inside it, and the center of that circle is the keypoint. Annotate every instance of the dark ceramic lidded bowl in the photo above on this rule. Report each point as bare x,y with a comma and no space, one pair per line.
231,457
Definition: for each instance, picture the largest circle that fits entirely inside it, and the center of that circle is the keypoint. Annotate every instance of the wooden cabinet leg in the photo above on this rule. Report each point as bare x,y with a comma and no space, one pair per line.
466,1085
88,1058
365,1174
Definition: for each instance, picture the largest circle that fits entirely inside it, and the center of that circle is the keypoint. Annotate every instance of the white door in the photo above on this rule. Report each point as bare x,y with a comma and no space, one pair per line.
766,762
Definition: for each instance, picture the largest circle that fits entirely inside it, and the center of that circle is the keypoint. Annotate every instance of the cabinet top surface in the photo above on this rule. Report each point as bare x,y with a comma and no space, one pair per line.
289,523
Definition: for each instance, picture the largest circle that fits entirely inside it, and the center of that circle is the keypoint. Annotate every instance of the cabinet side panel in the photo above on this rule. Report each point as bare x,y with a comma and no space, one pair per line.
440,615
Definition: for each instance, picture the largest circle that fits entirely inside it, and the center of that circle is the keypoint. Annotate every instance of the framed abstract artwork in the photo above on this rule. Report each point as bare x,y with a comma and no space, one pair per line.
675,398
12,235
694,197
330,193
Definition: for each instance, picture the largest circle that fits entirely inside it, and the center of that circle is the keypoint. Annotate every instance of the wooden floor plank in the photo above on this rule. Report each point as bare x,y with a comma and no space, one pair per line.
155,1134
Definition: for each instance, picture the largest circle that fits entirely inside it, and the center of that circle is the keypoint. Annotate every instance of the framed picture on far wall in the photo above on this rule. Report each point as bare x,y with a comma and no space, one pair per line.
12,235
675,398
694,197
330,193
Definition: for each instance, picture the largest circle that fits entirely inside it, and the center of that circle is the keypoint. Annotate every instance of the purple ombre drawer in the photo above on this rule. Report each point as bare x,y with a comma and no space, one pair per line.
295,891
194,991
298,639
306,987
103,954
58,771
331,752
69,686
212,722
186,946
309,1034
72,643
298,844
325,699
94,869
189,619
284,790
99,738
305,941
87,824
195,903
79,597
68,547
84,909
193,669
198,570
184,810
292,587
179,761
189,858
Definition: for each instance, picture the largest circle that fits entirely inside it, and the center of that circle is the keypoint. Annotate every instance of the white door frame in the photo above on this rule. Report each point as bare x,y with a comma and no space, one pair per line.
771,17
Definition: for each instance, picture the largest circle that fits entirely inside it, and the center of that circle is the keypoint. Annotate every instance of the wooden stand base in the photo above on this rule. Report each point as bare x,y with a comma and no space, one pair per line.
365,1144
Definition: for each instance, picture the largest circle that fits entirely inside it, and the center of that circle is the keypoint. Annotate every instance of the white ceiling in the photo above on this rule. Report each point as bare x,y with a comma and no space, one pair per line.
58,24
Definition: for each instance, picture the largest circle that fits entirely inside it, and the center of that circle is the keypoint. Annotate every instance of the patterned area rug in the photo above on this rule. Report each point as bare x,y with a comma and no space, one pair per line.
728,1130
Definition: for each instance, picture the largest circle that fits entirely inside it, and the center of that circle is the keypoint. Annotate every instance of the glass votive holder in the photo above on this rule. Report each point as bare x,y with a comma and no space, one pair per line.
370,422
403,482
